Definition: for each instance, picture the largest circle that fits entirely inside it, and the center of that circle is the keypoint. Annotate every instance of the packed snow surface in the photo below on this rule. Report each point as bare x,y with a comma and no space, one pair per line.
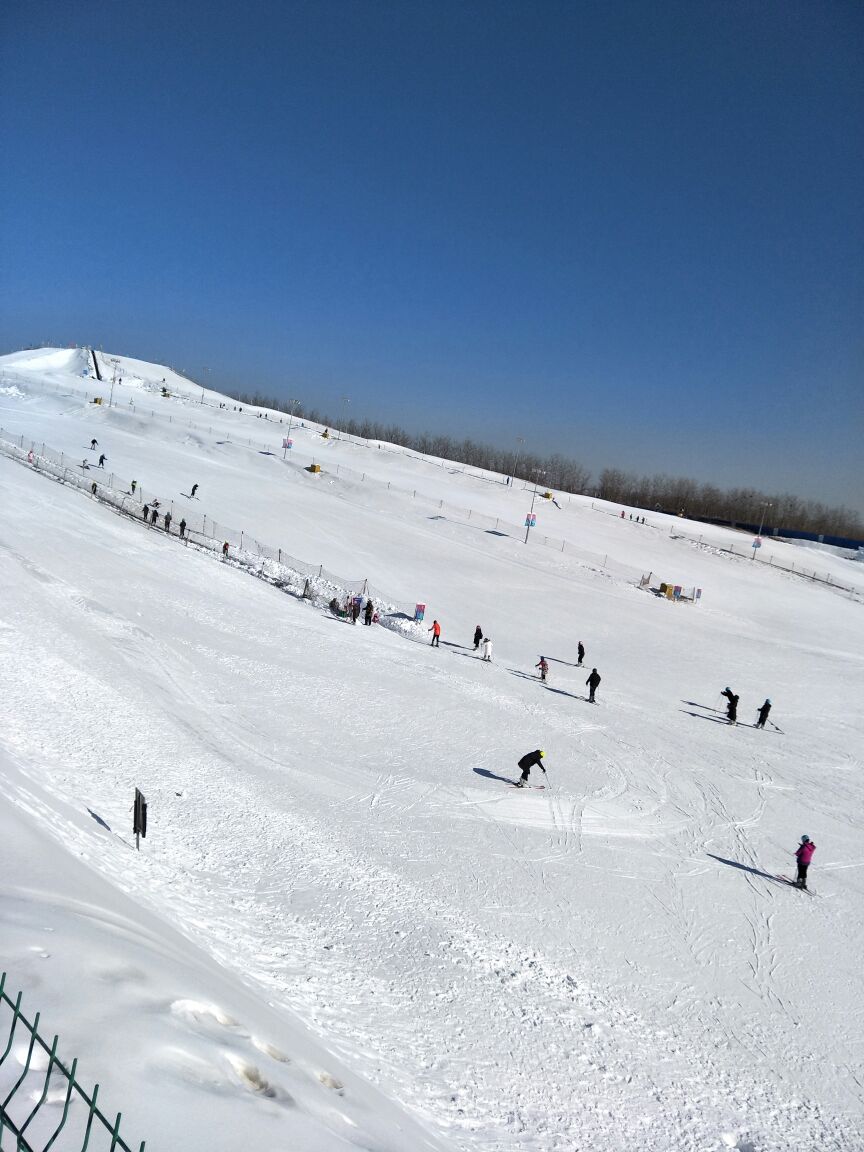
345,928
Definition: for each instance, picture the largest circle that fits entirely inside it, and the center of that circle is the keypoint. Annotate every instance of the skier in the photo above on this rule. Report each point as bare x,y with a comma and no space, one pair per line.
102,460
134,486
487,650
154,516
543,666
478,636
763,714
194,489
367,614
804,855
146,513
167,521
182,529
93,444
93,487
580,652
732,710
355,609
728,693
530,760
225,549
436,634
85,466
592,682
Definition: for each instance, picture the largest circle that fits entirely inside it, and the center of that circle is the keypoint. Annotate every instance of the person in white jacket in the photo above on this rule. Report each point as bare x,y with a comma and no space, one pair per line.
487,650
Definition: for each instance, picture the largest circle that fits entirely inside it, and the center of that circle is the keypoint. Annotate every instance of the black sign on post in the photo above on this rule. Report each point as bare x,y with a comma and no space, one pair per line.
139,820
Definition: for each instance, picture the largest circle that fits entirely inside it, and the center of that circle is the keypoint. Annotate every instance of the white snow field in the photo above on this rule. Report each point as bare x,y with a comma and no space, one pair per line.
345,928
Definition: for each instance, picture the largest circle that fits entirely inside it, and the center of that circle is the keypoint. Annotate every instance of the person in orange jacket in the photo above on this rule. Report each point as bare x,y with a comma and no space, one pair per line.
436,634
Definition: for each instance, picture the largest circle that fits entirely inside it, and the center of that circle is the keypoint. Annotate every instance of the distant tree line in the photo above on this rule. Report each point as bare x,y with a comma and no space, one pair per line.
669,493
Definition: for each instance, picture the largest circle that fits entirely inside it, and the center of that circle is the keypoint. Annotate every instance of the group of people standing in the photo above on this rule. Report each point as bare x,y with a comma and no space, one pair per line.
732,708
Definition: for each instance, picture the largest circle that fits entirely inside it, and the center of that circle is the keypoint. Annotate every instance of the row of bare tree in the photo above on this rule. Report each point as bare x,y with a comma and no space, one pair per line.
670,493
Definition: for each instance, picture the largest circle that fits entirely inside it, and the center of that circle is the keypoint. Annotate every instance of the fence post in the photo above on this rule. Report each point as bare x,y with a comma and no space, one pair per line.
320,570
241,540
280,555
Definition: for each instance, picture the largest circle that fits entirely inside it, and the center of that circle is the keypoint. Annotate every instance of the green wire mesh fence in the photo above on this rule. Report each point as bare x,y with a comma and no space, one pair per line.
44,1105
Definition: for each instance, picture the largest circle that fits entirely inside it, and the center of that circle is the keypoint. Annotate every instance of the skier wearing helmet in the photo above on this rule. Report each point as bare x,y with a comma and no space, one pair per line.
804,855
530,760
763,714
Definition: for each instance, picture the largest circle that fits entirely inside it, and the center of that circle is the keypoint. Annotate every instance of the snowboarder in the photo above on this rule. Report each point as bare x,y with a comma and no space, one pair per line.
154,516
134,485
146,513
580,652
478,636
93,445
93,487
225,549
167,521
487,650
732,709
102,460
436,634
804,855
182,529
530,760
592,682
543,666
367,614
763,714
194,489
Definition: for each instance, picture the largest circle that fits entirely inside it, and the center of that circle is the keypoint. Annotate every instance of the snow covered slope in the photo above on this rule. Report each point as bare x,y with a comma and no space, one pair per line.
336,859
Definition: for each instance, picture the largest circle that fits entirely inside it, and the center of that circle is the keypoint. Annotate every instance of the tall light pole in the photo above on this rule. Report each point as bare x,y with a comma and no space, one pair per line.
116,364
291,412
536,473
345,403
520,440
765,506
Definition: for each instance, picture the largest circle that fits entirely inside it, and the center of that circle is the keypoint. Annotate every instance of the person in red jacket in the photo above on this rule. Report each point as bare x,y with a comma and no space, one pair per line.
804,855
436,634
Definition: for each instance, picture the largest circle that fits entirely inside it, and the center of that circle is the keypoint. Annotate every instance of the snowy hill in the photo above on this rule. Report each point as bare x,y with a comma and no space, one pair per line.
346,928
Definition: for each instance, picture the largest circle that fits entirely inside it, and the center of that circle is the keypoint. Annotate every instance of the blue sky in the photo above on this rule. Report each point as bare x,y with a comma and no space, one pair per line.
629,232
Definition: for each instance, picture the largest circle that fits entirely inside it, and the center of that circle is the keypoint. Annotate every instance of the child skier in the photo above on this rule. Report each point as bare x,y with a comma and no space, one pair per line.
804,855
487,650
543,666
763,714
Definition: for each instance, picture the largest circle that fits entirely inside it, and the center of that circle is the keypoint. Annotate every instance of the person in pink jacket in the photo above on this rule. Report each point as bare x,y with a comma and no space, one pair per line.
804,855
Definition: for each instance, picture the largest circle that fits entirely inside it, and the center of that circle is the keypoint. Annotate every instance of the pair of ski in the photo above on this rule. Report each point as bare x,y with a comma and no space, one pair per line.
536,787
794,884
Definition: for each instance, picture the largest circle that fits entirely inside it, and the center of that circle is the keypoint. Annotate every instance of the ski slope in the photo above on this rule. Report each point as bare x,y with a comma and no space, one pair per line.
345,928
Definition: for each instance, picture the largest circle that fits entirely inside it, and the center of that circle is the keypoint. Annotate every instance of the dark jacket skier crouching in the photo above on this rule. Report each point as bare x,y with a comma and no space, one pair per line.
530,760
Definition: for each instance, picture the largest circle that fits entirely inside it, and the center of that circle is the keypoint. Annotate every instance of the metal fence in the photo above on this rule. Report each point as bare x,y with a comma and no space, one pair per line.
312,582
31,1099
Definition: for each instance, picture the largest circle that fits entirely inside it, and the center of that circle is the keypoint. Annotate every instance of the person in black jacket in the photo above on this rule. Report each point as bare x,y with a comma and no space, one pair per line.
732,710
530,760
763,714
370,609
580,652
592,682
478,636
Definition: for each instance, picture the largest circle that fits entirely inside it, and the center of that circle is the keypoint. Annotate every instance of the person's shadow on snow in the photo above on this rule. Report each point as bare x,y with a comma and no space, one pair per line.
492,775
